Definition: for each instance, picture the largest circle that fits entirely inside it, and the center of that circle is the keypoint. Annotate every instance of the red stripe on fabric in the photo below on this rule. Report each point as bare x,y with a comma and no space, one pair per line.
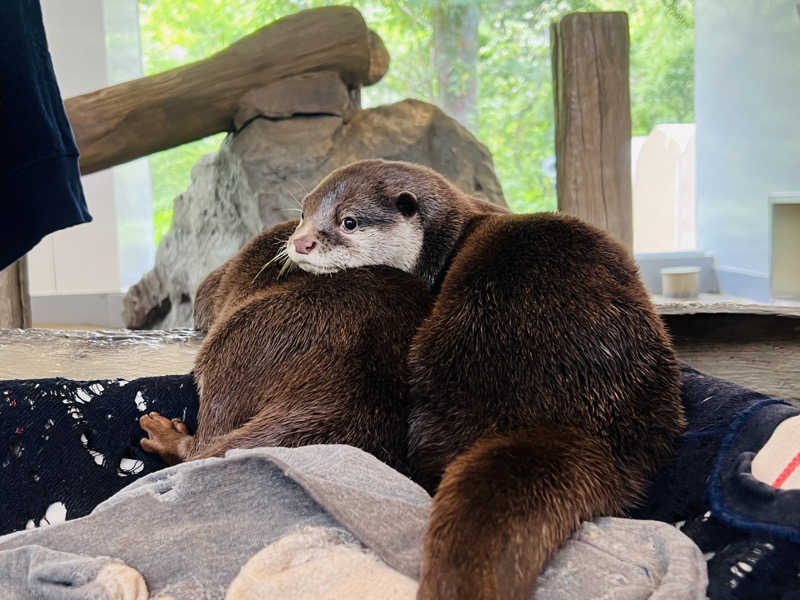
787,471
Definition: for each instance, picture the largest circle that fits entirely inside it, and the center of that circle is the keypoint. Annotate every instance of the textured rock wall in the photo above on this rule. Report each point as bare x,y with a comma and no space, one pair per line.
262,172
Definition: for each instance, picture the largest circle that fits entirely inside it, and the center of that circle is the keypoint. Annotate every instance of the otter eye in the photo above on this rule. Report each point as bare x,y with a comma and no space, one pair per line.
349,224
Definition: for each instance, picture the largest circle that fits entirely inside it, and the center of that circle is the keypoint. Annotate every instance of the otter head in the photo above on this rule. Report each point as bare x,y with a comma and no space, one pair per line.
364,214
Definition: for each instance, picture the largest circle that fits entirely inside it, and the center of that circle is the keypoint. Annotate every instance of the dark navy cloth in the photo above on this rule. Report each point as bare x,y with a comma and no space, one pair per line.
736,496
748,531
77,443
717,412
40,186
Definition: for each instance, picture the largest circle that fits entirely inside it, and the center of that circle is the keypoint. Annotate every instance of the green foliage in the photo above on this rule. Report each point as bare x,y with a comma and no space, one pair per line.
515,103
662,63
515,93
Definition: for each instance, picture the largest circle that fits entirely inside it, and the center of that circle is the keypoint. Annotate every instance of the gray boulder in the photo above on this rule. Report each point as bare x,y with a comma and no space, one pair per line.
260,175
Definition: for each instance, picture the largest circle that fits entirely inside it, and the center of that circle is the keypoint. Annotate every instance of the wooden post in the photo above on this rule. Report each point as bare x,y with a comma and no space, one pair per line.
15,300
136,118
590,54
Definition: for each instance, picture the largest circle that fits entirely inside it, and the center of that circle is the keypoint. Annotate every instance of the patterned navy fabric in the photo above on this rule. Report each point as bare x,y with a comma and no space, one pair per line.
72,444
65,446
40,186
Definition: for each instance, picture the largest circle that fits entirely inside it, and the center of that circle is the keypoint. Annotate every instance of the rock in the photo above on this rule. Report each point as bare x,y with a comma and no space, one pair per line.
260,175
319,93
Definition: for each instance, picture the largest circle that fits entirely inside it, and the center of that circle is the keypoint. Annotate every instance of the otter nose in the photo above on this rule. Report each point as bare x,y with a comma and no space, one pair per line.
304,245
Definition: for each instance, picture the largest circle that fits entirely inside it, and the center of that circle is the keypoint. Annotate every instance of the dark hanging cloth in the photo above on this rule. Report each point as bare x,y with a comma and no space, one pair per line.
40,186
73,444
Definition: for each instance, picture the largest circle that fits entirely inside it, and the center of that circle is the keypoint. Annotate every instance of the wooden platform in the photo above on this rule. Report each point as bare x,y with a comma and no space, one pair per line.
757,346
38,353
754,345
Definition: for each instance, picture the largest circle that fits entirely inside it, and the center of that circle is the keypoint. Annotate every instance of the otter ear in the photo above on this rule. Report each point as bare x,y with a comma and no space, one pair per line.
406,203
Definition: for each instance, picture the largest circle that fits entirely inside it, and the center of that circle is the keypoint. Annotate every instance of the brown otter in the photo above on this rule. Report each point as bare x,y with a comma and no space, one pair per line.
298,359
545,390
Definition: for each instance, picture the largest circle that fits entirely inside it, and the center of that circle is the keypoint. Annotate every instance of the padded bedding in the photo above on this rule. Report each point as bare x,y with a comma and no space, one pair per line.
70,445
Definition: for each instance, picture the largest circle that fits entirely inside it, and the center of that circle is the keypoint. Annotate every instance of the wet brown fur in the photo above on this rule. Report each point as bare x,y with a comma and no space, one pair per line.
544,386
304,359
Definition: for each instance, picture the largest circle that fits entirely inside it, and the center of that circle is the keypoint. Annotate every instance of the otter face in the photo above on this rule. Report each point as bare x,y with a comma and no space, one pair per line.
351,220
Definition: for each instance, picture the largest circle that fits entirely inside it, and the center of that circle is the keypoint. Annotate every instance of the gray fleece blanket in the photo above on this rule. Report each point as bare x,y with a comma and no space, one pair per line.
321,522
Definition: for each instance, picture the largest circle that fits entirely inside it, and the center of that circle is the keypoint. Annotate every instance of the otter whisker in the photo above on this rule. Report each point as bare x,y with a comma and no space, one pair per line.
293,197
281,254
295,182
288,264
281,242
300,185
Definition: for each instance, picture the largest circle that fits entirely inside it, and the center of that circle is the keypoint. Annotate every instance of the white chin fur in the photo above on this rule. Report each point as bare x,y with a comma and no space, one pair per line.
315,269
301,261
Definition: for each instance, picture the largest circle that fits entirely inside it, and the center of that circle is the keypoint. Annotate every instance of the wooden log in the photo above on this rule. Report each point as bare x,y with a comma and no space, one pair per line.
590,53
15,300
139,117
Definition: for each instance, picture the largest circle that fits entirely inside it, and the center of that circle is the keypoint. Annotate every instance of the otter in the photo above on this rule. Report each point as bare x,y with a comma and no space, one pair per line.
544,387
292,359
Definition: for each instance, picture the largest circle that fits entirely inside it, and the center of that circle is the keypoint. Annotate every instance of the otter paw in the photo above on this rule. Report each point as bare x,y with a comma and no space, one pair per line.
169,438
180,426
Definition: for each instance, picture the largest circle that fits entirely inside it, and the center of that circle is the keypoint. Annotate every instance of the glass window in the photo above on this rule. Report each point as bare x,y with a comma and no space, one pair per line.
485,63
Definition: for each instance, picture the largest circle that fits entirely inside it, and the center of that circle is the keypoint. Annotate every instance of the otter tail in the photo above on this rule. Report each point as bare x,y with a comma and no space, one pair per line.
508,502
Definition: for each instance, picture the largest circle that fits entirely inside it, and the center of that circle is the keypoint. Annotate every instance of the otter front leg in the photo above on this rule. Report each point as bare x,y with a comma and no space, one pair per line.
257,433
169,438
